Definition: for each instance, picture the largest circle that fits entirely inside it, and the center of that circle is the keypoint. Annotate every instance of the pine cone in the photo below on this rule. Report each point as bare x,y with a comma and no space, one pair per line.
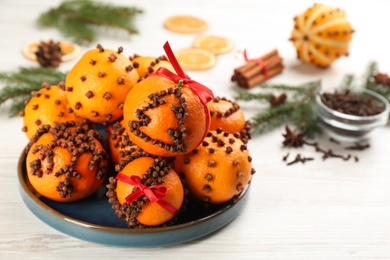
49,54
383,79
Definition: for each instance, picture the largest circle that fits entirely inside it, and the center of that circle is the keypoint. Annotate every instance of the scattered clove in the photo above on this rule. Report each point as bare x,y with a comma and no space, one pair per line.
333,140
299,158
357,146
291,139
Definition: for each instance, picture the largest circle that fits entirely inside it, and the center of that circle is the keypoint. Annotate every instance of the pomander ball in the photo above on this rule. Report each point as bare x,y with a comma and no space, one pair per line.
321,35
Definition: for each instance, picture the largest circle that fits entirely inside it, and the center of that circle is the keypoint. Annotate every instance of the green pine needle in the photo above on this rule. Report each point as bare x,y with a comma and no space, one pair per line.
17,86
298,109
81,20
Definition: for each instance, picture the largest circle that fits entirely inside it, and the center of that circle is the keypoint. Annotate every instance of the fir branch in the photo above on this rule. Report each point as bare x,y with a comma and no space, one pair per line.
12,92
18,104
348,81
298,109
17,86
246,96
271,118
81,19
367,78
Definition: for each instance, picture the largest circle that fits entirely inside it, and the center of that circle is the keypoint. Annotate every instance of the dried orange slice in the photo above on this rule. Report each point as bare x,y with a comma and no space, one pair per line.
195,58
69,49
214,43
185,24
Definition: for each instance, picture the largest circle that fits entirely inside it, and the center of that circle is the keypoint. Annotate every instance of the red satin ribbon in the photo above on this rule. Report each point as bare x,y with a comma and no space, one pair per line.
204,93
260,62
109,130
154,193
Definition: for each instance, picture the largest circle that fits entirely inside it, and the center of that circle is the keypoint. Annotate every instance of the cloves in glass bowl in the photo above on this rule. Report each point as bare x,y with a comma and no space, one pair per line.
350,116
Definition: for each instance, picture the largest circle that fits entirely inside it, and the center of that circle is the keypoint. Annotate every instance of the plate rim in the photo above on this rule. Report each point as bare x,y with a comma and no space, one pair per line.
28,196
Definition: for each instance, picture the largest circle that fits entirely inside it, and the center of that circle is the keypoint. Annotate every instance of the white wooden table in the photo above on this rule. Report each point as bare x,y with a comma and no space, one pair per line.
320,210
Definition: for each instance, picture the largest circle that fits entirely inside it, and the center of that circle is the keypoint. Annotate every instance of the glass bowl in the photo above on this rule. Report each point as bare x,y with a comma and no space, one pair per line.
351,128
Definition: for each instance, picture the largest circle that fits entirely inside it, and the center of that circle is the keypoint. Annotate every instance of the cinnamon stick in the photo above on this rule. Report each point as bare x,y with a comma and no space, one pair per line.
250,64
261,77
253,73
271,62
247,66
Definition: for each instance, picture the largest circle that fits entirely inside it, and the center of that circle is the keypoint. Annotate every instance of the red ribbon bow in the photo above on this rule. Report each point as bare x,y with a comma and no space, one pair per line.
204,93
154,193
259,62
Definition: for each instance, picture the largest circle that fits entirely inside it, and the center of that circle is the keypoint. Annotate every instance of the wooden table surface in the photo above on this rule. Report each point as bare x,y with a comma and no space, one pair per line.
328,209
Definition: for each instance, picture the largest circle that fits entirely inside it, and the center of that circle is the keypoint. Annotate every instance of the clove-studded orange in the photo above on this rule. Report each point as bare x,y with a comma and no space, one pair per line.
146,65
66,162
47,106
228,115
121,148
165,118
97,85
219,169
153,174
321,35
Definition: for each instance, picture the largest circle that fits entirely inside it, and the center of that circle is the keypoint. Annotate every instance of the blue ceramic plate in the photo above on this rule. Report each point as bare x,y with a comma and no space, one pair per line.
93,219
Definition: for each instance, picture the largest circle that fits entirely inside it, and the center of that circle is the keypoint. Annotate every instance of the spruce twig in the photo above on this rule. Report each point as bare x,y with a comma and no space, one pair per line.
17,86
348,81
81,19
298,109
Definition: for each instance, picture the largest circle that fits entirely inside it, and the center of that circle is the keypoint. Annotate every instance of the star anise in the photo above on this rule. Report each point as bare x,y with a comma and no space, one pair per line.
277,100
383,79
293,139
49,54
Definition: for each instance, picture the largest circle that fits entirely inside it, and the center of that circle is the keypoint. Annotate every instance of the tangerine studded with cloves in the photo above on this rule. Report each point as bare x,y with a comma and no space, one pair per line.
146,65
218,169
97,85
321,35
163,118
121,148
228,115
66,162
47,106
142,212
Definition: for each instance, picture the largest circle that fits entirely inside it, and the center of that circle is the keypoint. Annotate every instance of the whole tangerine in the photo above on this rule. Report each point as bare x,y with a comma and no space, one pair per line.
228,115
121,148
321,35
47,106
219,169
146,65
97,85
165,119
143,212
66,162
